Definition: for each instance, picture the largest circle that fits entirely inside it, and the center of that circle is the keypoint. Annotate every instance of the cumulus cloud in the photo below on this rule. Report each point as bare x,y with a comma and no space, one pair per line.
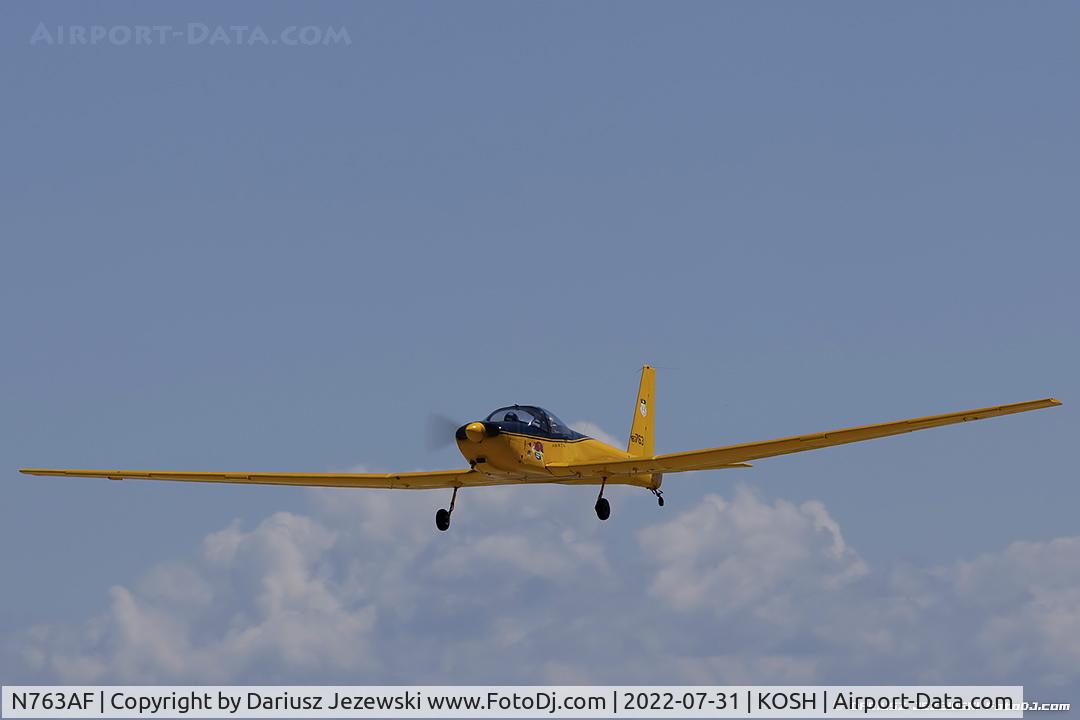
268,592
746,554
1030,596
529,587
586,427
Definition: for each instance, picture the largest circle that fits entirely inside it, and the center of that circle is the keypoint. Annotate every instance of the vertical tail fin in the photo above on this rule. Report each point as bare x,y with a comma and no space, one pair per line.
641,431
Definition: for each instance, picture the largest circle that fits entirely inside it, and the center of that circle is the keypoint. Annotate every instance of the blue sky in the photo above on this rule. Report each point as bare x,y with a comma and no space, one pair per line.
806,215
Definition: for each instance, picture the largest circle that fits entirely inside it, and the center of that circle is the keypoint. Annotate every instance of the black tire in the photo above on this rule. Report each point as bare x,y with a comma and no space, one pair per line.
661,501
603,509
442,519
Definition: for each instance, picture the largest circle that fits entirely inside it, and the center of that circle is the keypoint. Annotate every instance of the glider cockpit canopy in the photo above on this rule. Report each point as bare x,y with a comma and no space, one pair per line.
532,420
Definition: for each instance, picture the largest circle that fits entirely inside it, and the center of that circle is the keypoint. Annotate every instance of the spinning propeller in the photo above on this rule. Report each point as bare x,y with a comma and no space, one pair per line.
440,431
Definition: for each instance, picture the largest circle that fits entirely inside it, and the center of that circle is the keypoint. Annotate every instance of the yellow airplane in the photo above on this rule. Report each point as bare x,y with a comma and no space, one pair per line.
525,444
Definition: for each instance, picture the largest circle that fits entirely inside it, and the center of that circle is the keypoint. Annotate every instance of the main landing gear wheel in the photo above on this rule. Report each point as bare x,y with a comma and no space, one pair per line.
603,507
442,515
442,519
659,497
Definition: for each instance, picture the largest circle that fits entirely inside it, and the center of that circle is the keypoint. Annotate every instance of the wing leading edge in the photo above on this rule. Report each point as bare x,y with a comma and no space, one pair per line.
738,455
412,481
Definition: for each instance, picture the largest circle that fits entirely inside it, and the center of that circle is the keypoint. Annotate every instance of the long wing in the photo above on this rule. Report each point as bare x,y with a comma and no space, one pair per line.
733,455
413,480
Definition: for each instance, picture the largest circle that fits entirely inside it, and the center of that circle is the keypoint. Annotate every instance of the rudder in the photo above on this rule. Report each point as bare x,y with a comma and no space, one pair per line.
641,430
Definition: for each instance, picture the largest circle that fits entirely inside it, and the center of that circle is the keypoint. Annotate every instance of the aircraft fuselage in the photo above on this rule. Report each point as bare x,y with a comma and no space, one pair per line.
505,452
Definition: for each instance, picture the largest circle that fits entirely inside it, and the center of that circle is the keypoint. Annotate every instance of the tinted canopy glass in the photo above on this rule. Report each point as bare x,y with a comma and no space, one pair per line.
531,419
515,414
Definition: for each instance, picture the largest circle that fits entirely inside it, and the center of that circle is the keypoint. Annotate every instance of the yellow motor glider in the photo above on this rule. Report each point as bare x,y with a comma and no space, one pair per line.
522,444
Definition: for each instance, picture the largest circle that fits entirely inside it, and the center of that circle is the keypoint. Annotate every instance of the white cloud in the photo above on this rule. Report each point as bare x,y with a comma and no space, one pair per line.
587,427
256,600
1030,594
747,555
552,559
528,586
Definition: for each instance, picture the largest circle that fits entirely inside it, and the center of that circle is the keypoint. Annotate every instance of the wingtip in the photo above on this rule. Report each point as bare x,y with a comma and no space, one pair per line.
1053,401
40,471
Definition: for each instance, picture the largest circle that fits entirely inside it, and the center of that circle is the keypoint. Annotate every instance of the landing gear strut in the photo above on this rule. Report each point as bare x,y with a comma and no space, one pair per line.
659,496
603,507
442,515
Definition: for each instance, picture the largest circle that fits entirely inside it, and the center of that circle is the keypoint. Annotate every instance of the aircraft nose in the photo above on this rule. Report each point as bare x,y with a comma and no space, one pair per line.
476,431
